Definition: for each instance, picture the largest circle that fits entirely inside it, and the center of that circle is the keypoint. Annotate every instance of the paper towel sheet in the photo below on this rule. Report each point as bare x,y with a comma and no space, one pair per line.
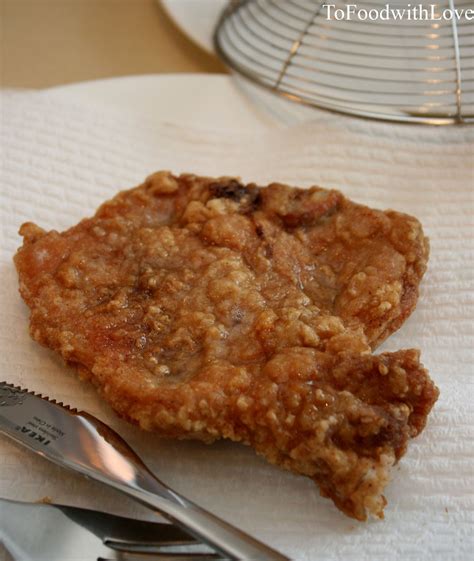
59,162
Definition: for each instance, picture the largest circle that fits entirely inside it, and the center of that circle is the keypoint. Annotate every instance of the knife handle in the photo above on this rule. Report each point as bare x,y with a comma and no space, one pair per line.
223,537
135,479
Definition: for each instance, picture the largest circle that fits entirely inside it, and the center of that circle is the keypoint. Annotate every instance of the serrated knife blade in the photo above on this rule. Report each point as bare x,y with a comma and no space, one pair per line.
39,425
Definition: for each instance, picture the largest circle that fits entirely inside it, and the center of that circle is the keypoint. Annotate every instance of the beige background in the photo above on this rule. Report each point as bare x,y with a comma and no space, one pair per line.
48,42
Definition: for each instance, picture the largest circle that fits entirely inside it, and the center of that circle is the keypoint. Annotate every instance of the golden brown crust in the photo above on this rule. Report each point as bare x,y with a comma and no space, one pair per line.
204,308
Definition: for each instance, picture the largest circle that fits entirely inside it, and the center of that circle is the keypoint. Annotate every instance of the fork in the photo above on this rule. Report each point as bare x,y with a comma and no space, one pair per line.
50,532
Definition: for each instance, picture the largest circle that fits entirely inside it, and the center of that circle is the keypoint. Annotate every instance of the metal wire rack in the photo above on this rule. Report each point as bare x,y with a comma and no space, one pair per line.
411,70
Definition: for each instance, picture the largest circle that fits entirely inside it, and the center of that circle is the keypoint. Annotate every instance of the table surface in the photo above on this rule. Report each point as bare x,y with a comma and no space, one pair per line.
45,43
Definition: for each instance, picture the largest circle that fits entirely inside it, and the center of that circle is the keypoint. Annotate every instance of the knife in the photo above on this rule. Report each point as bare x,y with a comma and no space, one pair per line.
79,441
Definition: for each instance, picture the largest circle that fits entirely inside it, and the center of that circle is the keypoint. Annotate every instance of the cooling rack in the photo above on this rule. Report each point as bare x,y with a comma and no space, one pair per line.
401,70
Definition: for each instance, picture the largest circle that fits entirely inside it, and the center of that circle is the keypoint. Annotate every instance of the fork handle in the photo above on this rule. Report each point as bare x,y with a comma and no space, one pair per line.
228,540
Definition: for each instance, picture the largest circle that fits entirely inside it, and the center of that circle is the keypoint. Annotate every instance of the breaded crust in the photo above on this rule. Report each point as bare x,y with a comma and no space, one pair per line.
205,308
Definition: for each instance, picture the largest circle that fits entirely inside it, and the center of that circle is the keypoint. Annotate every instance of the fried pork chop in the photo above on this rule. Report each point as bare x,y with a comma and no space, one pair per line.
205,308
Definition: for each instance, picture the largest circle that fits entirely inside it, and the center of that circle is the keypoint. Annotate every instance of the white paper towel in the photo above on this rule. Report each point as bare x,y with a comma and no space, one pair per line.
59,162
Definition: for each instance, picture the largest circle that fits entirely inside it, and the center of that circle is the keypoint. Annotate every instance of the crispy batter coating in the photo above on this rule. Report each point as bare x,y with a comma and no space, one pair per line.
205,308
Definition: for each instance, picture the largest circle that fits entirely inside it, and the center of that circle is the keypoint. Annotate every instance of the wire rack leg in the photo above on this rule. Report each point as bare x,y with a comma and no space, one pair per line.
296,45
